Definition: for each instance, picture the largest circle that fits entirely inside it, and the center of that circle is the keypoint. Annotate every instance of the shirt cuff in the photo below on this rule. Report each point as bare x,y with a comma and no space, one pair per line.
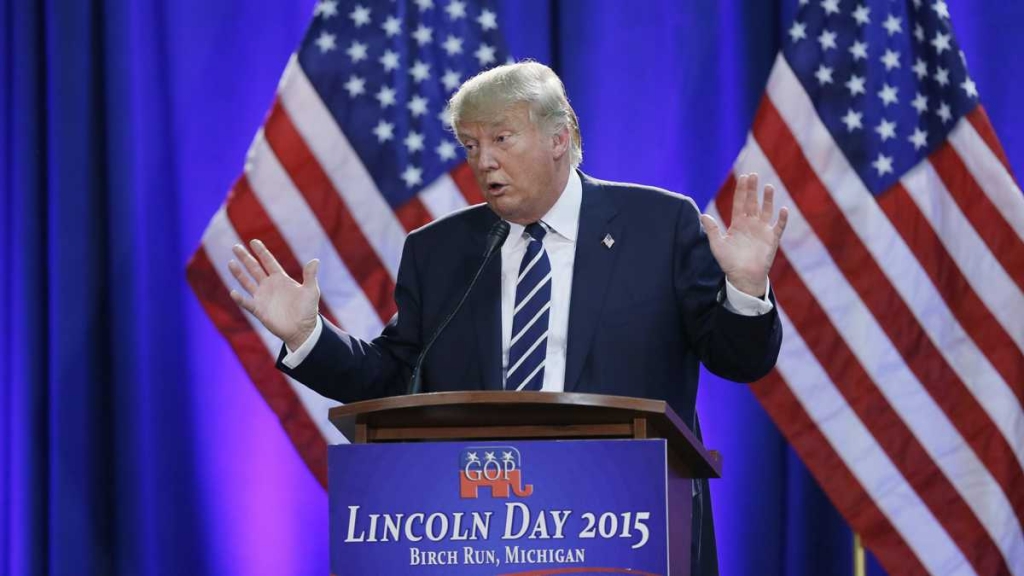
293,359
746,305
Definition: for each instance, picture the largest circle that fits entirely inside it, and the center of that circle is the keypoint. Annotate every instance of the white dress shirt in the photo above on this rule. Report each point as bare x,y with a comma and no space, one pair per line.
562,223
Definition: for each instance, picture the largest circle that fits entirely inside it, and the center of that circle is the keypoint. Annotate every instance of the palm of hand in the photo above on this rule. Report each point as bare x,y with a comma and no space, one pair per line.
287,309
284,306
747,249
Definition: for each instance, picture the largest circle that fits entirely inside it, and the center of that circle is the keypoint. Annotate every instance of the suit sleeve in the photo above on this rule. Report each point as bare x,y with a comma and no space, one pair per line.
736,347
348,369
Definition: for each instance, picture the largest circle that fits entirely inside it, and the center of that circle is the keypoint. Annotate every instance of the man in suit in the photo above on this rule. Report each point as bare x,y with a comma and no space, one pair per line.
600,287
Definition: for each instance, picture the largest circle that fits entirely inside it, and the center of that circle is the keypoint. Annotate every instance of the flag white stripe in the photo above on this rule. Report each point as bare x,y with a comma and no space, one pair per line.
218,239
857,447
442,197
990,174
299,227
980,269
887,369
342,165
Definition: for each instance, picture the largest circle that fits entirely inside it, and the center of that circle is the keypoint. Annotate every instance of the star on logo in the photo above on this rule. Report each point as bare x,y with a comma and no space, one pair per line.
489,456
506,456
472,457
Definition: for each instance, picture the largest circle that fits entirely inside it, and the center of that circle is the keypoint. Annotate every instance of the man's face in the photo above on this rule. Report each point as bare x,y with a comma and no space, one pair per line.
520,169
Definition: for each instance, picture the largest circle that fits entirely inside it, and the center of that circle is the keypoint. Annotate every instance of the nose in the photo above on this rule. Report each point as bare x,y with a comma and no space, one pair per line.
487,160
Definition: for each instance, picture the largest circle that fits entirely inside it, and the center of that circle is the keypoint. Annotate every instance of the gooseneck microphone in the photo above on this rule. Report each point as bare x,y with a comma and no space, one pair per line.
495,238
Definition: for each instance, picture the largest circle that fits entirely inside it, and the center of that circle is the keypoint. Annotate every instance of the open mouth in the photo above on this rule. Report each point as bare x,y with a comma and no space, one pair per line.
496,188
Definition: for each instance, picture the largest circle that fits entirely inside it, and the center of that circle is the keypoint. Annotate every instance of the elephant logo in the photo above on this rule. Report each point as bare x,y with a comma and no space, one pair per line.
498,468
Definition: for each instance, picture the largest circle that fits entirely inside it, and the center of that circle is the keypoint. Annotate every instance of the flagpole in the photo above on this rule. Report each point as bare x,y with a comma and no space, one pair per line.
858,556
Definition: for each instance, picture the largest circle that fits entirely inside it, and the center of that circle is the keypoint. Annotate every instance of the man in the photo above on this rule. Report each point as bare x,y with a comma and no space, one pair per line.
601,287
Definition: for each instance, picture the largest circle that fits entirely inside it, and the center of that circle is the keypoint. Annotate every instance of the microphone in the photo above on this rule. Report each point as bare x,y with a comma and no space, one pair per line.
495,238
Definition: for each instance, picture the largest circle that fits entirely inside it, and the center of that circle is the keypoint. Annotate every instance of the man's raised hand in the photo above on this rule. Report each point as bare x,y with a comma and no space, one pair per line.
746,250
288,309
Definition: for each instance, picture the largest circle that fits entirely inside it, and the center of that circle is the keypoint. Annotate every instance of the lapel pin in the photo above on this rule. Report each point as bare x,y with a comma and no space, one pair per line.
608,241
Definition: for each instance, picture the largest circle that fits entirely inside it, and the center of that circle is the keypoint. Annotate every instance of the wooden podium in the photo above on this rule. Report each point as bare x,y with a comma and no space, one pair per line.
499,415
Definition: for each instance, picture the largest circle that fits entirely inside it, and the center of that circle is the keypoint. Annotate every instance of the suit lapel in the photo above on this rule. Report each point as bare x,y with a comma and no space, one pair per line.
485,304
592,272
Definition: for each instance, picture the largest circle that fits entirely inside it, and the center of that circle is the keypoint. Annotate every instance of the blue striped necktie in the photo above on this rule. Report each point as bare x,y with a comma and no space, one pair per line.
530,318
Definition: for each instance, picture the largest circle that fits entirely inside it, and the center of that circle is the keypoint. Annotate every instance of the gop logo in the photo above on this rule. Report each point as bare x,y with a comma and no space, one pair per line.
494,467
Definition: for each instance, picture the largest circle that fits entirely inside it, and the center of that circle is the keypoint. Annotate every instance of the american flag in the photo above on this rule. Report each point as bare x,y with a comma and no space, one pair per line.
900,281
353,155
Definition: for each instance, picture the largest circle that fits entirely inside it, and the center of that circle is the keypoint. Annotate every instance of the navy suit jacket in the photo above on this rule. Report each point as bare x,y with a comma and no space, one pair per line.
643,315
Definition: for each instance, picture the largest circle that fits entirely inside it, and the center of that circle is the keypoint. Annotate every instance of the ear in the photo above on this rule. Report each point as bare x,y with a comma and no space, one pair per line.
560,143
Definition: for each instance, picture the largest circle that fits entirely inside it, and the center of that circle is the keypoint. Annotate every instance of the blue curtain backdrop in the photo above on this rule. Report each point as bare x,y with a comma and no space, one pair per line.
130,440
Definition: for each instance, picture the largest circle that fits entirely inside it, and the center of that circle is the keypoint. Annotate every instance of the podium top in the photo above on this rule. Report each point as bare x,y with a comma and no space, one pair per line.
495,414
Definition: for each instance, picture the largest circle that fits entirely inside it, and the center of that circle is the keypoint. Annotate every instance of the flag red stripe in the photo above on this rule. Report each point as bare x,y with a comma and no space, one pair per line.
979,119
250,221
971,313
835,477
885,424
866,277
258,364
466,183
986,219
413,214
346,236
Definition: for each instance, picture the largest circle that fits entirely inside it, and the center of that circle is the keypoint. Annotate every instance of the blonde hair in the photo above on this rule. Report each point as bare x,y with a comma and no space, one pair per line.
493,91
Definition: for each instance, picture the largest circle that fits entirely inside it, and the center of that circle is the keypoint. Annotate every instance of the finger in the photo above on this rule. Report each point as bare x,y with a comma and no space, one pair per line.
768,206
750,207
309,272
242,277
780,226
266,258
739,197
250,263
246,304
711,227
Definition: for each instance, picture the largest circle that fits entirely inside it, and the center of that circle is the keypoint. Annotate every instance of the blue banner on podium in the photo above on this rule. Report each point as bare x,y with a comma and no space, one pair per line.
499,508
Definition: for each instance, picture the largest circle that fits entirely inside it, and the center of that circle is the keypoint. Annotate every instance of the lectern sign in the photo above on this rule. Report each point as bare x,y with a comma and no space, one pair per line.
511,508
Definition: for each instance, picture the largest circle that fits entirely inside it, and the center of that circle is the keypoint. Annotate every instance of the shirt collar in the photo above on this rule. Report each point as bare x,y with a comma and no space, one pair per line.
564,217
